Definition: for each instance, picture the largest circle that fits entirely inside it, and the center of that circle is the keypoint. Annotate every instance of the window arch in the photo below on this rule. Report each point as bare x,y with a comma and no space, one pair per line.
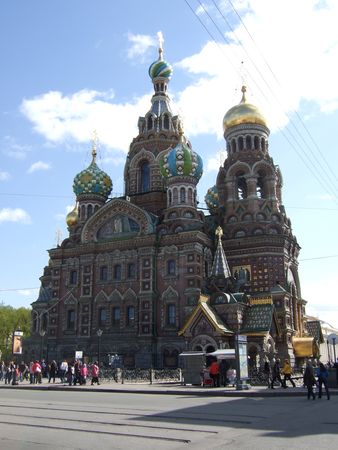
233,145
256,143
175,196
171,267
240,143
89,210
145,176
150,123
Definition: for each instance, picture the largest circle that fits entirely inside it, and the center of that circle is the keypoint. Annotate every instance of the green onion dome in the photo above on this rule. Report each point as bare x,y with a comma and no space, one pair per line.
92,180
182,161
212,199
160,68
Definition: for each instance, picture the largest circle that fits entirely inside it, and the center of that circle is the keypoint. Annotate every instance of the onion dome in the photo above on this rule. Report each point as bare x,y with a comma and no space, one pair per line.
182,161
160,68
211,198
92,180
72,217
243,113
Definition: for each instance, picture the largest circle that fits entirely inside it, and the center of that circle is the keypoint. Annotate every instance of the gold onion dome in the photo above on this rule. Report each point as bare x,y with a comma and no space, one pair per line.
243,113
72,217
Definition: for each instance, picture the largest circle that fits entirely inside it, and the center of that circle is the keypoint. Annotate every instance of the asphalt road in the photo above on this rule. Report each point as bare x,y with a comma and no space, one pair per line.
99,420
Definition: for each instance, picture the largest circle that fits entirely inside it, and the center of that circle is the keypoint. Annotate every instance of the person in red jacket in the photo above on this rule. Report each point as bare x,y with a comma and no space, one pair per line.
95,373
214,373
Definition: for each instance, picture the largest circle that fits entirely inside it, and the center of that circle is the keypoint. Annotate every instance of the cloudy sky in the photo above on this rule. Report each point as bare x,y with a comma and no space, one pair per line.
69,68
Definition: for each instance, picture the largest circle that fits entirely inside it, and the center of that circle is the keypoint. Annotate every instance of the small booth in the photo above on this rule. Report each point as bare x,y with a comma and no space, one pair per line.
195,365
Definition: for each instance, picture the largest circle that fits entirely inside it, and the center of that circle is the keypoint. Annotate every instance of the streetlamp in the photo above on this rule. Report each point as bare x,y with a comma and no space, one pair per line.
99,334
42,334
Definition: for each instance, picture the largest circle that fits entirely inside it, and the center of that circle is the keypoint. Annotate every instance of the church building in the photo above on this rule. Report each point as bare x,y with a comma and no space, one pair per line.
149,275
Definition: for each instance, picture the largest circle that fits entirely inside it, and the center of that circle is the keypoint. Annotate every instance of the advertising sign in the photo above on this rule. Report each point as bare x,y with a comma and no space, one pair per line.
17,343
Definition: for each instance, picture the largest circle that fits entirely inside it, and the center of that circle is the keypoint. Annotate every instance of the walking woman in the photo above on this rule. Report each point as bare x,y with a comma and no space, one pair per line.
309,380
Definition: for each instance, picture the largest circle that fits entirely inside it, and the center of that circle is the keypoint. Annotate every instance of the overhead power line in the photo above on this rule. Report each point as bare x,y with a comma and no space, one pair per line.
317,169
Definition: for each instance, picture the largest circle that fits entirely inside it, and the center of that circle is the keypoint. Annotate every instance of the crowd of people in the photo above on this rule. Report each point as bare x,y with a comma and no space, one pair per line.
313,376
71,373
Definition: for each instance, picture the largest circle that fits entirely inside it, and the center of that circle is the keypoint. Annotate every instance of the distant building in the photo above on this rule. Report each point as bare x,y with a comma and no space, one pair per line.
156,274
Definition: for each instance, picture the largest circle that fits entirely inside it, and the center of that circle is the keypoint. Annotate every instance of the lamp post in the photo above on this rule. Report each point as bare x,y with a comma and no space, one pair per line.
42,334
334,348
99,334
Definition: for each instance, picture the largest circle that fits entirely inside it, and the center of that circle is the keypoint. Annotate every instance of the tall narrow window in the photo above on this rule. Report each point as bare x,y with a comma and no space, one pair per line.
182,195
73,277
171,314
89,210
103,273
117,272
171,267
130,316
116,315
102,317
71,319
241,187
150,123
166,122
131,270
145,177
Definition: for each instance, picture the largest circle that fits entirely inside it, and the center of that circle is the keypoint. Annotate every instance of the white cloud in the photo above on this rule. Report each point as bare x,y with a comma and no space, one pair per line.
39,165
4,176
74,117
300,59
14,215
14,150
27,292
141,43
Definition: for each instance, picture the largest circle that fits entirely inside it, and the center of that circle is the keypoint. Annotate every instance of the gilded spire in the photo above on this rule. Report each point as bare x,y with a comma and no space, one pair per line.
219,232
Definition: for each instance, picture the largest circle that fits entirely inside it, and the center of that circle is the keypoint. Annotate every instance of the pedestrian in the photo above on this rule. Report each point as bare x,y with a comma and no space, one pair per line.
63,370
214,373
52,371
2,370
77,372
37,370
267,372
276,373
31,373
309,380
70,374
287,371
95,373
83,374
22,369
323,375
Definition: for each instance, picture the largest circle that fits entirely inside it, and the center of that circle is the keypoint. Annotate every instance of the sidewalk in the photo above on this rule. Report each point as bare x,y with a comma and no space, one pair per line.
167,389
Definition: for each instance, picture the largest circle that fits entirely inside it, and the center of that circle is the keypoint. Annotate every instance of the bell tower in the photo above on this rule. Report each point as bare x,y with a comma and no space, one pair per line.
261,248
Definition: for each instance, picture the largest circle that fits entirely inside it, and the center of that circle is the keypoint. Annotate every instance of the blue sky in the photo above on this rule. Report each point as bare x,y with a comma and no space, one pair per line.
70,67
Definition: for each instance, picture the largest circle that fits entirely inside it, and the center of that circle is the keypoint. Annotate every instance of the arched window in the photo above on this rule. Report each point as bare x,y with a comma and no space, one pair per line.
175,196
248,143
89,210
166,122
130,316
240,143
150,123
102,317
103,273
256,143
117,272
171,314
83,212
145,177
241,187
171,267
260,187
190,196
116,315
170,197
233,145
182,195
263,147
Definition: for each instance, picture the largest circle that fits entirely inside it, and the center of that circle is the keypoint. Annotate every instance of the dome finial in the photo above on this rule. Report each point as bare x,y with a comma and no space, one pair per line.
160,45
219,232
94,146
243,94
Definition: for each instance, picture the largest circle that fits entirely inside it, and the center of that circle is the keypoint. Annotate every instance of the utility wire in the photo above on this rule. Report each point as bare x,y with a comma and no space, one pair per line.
326,186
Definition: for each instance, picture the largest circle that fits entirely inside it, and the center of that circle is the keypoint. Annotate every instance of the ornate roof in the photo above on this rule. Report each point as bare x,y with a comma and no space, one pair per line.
211,198
258,319
160,67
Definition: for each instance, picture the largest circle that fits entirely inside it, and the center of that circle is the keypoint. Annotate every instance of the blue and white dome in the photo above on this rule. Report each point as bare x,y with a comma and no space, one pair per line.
182,161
